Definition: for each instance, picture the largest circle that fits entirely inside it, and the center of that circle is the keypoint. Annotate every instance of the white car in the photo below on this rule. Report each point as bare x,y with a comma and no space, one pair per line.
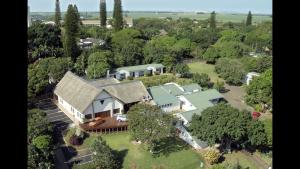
121,117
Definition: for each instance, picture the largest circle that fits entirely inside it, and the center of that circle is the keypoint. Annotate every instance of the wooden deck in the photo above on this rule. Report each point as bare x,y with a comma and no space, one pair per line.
105,125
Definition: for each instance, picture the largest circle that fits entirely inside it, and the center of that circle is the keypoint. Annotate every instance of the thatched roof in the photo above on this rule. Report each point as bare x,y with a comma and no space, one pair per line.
128,92
76,91
80,93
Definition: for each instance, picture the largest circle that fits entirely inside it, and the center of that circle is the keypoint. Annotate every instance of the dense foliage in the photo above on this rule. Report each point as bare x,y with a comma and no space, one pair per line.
71,25
44,40
202,79
128,47
260,90
149,124
40,147
231,70
117,15
103,13
103,156
226,125
98,64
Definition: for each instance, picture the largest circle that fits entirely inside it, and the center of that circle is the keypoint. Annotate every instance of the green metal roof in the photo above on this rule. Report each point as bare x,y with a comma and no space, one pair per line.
201,100
172,89
191,87
139,67
161,96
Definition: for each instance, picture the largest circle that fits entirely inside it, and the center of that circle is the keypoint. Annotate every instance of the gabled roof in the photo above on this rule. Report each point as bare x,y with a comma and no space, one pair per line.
161,96
172,89
139,67
80,93
76,91
128,92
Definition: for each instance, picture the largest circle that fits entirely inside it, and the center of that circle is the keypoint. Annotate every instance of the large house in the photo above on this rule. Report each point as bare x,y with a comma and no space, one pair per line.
140,70
84,100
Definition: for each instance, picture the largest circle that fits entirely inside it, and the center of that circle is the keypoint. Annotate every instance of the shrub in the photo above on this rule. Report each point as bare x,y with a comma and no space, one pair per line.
219,85
202,79
156,72
129,78
148,74
75,140
212,156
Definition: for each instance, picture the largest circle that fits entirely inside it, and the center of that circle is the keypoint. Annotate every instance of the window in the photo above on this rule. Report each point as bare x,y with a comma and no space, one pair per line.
88,116
101,101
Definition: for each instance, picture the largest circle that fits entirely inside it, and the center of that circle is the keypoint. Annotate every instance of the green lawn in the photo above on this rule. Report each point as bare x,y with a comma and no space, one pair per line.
137,155
239,157
202,67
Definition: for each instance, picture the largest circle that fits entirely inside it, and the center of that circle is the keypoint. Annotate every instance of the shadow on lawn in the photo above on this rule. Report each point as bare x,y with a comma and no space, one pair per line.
120,155
168,145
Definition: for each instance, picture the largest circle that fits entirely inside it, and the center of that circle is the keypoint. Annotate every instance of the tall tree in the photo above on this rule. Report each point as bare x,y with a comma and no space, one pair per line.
102,13
117,15
212,20
149,124
57,16
103,156
71,31
249,19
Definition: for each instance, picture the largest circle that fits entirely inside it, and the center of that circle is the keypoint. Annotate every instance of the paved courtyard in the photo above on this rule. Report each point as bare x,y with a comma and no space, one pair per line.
235,97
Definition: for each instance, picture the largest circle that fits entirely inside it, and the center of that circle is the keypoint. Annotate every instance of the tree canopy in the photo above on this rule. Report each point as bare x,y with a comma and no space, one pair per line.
98,64
226,125
127,47
259,90
148,123
232,70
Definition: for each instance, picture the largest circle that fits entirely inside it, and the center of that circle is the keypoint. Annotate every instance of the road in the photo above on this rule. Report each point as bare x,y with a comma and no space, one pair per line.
64,156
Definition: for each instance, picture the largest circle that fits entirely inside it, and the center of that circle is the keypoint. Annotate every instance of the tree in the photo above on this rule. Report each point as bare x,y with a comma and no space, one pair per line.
44,40
249,19
256,133
211,55
225,125
183,69
37,80
259,91
103,13
212,156
212,20
231,49
103,156
148,124
38,124
98,64
81,64
157,48
219,85
202,79
117,15
42,142
231,70
71,25
264,63
127,47
57,16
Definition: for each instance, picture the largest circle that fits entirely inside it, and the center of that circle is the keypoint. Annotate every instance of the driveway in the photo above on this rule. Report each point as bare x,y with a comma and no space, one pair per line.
235,97
61,123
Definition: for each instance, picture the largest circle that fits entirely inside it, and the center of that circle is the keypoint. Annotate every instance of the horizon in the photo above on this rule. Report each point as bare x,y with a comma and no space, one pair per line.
207,6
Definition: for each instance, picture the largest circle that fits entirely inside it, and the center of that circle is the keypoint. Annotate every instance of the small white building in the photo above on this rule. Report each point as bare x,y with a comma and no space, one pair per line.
250,77
83,100
137,71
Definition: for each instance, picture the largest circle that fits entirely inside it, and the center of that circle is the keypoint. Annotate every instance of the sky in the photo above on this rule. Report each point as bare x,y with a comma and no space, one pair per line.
239,6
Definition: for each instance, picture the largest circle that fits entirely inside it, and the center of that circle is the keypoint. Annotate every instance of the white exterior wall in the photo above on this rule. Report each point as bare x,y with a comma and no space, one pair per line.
171,108
75,113
178,115
187,106
109,104
186,136
124,71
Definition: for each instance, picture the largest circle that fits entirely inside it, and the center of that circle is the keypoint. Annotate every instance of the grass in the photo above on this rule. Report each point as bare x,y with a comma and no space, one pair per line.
239,157
202,67
137,155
